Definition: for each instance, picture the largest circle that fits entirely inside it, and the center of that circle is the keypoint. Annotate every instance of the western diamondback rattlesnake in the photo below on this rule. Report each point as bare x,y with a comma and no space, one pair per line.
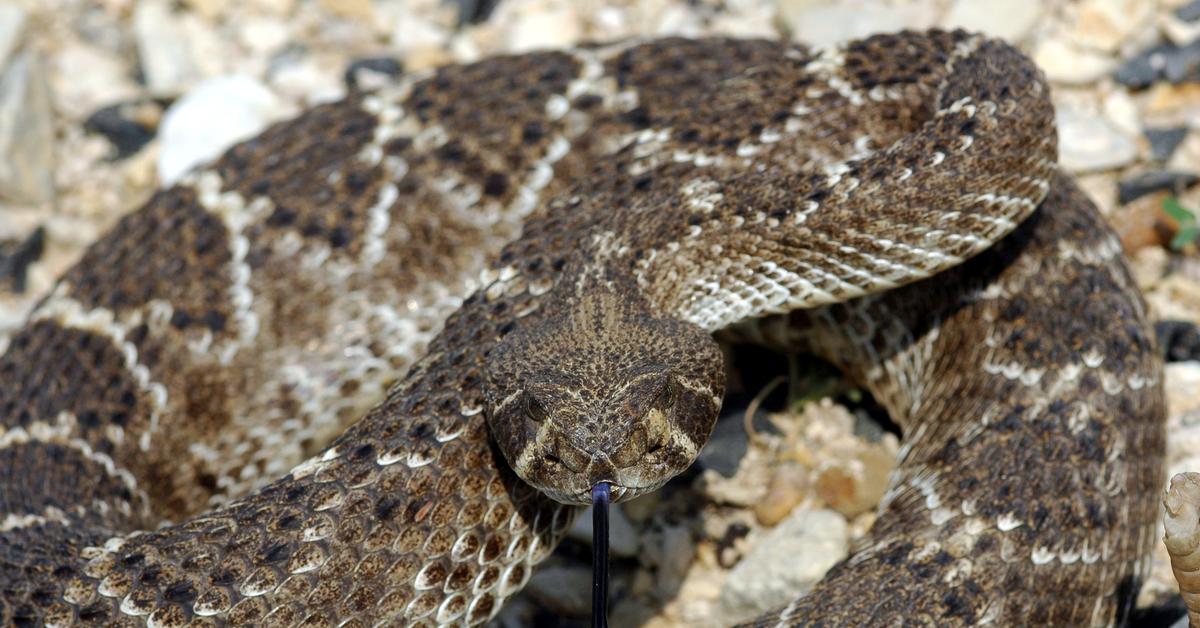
661,190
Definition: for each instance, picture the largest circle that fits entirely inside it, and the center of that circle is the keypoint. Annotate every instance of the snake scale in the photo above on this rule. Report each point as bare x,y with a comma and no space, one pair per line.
583,221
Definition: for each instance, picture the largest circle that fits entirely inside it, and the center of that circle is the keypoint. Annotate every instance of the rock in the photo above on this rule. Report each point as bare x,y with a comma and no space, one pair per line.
1089,143
353,9
784,563
1165,61
1179,32
1106,24
474,11
1149,182
12,24
17,255
1189,12
671,551
726,447
622,539
26,133
1183,63
1179,340
551,25
210,118
1144,68
263,36
1140,226
823,22
1163,141
1066,64
163,50
371,72
79,94
563,590
789,485
210,10
1122,112
1013,23
128,126
854,484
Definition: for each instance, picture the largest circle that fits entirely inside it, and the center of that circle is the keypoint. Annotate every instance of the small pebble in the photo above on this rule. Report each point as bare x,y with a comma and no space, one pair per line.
1013,23
12,26
16,256
163,48
26,133
210,118
1164,141
622,539
1090,143
1178,340
789,485
784,563
1070,65
371,72
1189,12
1149,182
726,446
125,126
826,23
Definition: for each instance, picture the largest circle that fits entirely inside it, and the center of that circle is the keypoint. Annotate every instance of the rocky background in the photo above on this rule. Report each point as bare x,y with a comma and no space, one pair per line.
102,101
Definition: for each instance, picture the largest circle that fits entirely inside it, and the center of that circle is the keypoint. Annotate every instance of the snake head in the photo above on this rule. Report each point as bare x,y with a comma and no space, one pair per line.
602,396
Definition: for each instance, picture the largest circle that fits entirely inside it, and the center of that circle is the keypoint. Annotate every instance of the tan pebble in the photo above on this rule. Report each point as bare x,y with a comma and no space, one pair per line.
855,486
1165,97
426,57
788,486
354,9
1144,224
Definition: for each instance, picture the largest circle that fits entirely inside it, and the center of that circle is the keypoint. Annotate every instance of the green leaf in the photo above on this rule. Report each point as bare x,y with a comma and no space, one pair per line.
1188,229
1184,236
1176,210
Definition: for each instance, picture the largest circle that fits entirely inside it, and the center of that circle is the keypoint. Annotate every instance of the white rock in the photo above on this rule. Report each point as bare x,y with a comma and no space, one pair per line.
823,22
1106,24
78,94
263,35
12,23
554,25
26,133
210,118
1012,23
1088,142
622,540
784,563
163,48
1122,111
1066,64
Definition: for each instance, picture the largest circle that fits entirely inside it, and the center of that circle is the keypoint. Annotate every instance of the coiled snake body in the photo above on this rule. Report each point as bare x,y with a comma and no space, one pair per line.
193,364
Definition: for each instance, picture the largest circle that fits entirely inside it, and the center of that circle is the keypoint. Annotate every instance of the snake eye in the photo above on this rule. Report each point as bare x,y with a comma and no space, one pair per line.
534,410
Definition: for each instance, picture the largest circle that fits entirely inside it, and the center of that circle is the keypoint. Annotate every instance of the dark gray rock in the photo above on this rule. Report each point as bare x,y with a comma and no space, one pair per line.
119,125
17,255
357,72
1162,62
1150,182
1164,141
1189,12
1179,341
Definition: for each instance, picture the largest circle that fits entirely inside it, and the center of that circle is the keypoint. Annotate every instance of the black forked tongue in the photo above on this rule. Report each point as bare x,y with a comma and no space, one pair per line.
600,500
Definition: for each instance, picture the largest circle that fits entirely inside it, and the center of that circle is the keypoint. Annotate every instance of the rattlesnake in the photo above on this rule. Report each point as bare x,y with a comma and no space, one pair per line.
649,193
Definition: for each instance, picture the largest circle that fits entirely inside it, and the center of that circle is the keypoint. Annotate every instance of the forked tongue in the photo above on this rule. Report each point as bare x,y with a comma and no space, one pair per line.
600,499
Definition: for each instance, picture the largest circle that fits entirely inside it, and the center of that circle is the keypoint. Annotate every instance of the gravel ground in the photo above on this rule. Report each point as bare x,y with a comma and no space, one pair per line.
102,101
